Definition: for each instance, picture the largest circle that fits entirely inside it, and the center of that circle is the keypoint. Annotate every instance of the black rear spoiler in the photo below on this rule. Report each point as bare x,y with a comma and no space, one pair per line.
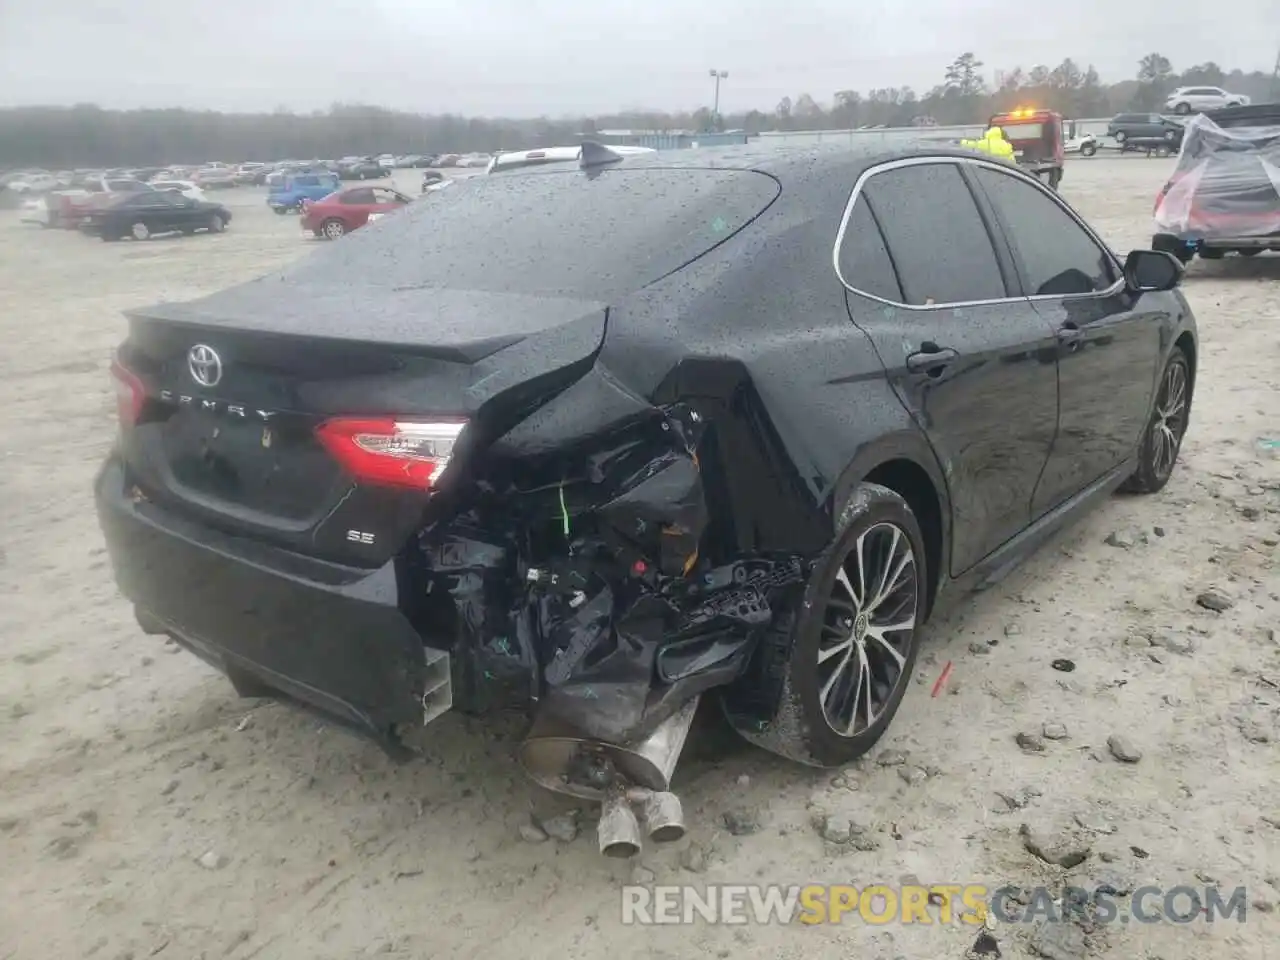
597,155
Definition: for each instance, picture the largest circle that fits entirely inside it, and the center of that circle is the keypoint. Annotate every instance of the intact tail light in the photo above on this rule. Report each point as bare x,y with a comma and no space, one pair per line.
390,452
130,394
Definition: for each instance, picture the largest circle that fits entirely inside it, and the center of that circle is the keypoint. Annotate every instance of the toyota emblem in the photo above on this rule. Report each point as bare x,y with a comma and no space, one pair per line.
205,365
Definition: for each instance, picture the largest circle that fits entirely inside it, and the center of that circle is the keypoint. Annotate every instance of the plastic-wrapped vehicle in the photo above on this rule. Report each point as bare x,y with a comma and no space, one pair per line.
1224,194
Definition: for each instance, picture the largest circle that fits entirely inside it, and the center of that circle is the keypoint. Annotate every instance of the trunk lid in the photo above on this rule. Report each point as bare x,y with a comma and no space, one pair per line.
237,383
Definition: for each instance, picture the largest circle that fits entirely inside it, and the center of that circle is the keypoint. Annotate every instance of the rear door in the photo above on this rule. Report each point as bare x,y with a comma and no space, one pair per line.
970,359
357,205
1108,342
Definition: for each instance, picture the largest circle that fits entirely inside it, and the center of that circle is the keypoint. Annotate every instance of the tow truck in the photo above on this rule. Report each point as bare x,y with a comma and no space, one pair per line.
1036,136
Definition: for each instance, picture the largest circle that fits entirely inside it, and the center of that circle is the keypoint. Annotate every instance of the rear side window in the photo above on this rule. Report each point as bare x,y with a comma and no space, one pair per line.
307,181
573,235
358,197
935,235
1055,255
864,259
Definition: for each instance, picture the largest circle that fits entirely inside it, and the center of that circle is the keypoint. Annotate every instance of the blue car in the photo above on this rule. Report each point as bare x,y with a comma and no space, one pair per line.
297,187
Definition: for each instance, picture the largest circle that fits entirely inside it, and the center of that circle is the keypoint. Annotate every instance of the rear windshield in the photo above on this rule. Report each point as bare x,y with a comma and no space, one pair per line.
551,234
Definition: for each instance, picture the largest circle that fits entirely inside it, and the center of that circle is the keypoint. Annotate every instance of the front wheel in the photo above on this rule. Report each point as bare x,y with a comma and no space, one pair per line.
334,229
1088,149
217,224
1121,136
1162,440
1170,136
140,231
1182,109
853,636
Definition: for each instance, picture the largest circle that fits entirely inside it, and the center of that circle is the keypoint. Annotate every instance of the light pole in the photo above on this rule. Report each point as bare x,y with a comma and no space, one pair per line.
717,76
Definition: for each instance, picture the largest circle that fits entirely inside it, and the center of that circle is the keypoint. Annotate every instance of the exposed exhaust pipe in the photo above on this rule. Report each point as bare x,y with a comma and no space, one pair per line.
619,831
663,816
620,778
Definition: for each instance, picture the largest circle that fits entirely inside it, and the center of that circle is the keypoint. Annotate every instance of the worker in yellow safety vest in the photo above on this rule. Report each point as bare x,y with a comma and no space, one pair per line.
992,142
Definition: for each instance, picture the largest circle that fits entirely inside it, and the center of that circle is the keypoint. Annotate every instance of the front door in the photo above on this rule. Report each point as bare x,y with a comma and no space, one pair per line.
1108,343
972,361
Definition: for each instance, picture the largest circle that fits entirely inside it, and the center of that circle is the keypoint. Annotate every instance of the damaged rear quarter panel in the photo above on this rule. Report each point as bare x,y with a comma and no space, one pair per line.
726,403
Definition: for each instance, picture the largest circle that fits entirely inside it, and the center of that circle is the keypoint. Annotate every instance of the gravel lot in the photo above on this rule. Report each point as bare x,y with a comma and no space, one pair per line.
146,811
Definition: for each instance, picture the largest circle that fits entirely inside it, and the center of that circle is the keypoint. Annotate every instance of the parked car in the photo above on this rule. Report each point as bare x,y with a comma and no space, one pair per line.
1223,196
386,160
1187,100
366,168
143,215
805,429
295,188
1145,127
433,180
249,174
215,178
1085,144
183,187
33,183
347,210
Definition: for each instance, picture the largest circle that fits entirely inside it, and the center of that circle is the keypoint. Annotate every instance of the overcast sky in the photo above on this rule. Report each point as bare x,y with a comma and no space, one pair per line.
535,57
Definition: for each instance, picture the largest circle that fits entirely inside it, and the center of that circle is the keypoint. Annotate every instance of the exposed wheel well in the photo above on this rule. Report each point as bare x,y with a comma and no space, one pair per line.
909,481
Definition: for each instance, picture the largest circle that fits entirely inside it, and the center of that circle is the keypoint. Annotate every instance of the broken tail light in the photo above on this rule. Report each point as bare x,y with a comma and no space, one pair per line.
130,394
391,452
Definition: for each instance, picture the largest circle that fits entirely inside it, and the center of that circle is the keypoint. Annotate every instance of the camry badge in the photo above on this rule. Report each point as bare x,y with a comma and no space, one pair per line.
205,365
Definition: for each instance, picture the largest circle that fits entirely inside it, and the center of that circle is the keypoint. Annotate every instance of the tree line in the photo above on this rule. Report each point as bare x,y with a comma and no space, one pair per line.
87,135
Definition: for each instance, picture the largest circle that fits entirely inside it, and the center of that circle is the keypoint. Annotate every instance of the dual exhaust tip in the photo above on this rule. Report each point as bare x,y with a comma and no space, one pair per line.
619,830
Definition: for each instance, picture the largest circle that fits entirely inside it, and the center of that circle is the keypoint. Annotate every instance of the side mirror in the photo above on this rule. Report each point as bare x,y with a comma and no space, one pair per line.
1151,270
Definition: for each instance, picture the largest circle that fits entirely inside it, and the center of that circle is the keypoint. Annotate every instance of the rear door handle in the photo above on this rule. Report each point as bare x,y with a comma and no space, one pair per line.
931,359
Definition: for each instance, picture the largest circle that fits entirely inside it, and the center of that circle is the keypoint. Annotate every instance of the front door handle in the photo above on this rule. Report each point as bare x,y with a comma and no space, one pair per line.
931,359
1069,335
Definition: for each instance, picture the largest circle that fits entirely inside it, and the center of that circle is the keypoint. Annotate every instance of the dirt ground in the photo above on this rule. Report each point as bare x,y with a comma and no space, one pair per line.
146,811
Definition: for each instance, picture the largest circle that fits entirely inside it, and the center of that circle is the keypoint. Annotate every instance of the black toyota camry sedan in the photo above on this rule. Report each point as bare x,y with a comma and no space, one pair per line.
605,438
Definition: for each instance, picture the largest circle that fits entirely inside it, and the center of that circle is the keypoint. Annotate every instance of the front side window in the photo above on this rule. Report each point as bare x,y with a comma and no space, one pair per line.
935,235
1055,255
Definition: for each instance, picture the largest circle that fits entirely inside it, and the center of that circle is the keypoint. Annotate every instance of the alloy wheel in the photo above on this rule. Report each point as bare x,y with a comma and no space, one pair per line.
334,229
140,231
868,627
1170,419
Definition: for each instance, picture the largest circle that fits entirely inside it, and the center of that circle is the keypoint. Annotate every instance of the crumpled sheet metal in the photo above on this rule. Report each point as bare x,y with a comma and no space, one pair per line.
587,621
1226,184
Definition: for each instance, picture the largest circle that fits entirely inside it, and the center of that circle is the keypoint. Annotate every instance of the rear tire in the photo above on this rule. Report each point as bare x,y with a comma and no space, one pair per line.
1182,109
1170,136
1121,136
140,231
853,637
333,229
217,224
1088,150
1166,426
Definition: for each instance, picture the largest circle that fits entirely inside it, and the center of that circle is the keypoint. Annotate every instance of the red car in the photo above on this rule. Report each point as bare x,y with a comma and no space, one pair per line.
347,210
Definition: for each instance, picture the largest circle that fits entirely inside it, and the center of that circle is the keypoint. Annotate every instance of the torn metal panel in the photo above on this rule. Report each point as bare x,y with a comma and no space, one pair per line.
582,570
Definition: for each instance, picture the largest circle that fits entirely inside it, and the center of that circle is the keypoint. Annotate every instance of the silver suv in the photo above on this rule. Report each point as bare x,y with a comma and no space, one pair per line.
1186,100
